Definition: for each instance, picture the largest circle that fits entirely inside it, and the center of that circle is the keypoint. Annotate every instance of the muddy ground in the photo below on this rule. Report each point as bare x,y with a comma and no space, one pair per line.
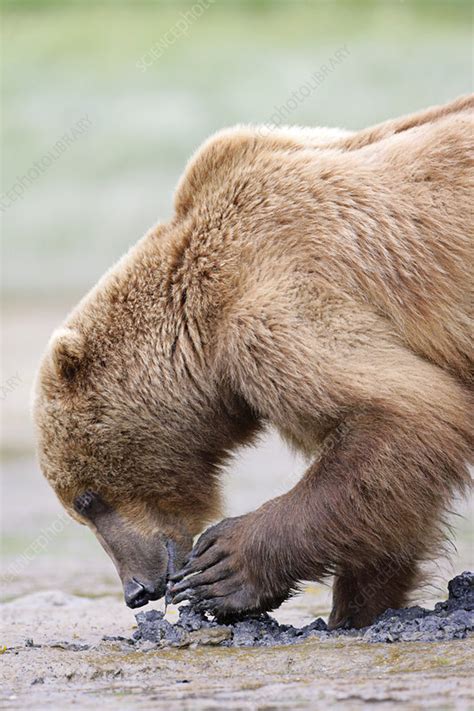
313,674
60,591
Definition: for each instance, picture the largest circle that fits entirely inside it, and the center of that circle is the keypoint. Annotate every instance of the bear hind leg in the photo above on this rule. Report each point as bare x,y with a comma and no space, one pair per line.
360,596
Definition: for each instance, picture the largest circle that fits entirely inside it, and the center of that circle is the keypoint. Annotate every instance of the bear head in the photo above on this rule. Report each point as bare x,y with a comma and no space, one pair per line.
131,429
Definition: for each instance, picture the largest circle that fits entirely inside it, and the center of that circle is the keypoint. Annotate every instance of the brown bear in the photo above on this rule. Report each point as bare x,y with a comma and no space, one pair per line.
315,280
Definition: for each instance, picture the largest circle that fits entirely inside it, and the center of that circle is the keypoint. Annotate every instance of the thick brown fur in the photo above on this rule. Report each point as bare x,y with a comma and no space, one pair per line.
315,280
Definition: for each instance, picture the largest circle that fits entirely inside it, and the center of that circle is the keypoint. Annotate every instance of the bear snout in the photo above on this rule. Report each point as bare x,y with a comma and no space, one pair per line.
137,593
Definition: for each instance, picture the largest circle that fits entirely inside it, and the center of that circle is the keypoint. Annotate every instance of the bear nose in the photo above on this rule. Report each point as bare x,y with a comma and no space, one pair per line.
135,593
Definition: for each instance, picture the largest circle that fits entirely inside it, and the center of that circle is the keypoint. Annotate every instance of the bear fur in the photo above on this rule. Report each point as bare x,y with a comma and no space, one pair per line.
318,281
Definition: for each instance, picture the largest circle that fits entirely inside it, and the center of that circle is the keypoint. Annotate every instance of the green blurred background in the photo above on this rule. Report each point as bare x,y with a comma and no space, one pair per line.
235,63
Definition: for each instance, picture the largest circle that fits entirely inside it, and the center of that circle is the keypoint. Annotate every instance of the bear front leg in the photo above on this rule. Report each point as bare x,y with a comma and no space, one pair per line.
371,505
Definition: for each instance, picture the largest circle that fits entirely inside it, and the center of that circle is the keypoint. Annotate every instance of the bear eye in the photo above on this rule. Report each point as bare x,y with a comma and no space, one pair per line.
89,504
84,502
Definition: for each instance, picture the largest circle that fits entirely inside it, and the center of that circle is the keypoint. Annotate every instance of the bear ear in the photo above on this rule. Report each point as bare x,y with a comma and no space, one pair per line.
68,350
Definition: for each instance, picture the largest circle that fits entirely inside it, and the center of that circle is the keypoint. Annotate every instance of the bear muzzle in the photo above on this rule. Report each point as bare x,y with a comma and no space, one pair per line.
138,592
144,563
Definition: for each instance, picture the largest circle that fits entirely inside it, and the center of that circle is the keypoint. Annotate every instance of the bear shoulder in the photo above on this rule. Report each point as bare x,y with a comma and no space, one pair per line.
221,159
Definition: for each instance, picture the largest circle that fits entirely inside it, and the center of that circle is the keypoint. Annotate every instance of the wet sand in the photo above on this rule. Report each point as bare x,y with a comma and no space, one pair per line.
314,674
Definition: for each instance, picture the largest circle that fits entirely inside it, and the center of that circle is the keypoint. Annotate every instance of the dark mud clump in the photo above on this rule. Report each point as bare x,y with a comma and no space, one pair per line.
197,628
452,619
